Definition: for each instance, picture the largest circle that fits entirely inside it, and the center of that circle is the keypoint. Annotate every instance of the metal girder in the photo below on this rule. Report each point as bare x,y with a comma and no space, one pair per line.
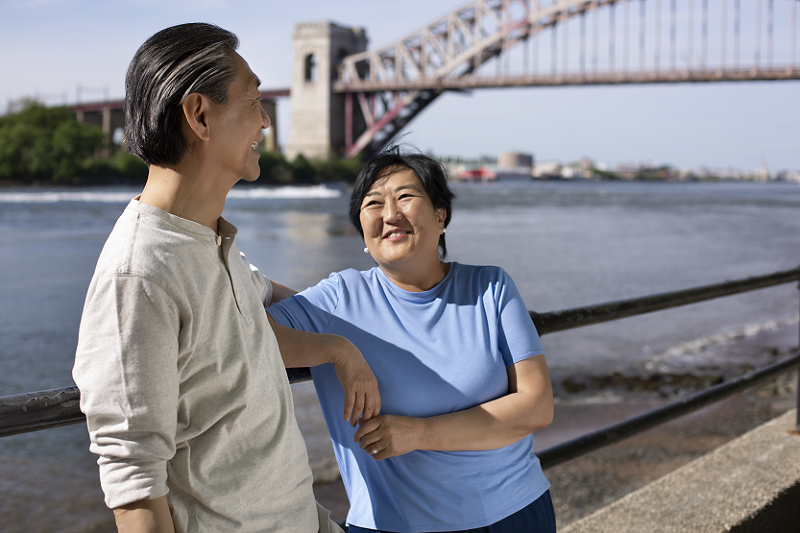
447,54
432,58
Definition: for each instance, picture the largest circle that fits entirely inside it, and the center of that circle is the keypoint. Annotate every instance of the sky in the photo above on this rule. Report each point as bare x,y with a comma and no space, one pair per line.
49,48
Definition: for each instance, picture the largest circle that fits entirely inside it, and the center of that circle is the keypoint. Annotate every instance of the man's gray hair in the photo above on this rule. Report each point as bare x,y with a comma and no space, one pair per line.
168,67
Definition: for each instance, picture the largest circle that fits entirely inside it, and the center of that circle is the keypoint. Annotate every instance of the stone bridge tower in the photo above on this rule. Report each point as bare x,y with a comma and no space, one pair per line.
318,113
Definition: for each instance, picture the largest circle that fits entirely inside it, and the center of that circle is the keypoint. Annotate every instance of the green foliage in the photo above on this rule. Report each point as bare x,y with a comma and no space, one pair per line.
302,171
45,143
48,144
275,169
122,166
337,169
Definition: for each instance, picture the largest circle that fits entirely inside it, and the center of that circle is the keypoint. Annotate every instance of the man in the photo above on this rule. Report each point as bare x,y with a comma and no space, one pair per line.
181,377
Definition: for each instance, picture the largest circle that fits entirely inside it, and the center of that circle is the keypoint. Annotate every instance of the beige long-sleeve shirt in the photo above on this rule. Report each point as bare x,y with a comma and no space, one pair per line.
182,382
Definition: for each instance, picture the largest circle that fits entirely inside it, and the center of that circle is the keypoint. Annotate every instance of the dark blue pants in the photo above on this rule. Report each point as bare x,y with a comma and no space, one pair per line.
538,517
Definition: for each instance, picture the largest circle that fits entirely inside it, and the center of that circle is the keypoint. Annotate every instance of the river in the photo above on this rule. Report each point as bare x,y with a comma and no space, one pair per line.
566,244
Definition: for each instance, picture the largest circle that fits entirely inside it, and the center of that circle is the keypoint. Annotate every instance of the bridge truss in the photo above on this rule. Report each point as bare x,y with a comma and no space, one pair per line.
529,43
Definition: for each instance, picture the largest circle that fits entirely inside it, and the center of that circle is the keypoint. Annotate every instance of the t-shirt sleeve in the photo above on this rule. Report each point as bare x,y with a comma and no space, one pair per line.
310,310
126,369
518,337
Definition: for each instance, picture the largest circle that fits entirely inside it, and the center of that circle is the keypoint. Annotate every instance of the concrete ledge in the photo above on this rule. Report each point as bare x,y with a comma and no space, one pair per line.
750,484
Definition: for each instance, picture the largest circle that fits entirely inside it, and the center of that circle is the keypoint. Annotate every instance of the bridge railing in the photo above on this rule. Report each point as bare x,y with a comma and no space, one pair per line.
59,407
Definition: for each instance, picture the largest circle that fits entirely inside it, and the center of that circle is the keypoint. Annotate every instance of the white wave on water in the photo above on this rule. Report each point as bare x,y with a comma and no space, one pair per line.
288,192
51,197
696,346
254,193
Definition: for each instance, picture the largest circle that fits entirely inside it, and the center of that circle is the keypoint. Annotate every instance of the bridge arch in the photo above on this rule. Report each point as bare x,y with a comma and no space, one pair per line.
643,41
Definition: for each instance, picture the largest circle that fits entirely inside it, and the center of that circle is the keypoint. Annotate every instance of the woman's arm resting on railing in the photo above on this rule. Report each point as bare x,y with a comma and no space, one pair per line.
299,349
144,516
280,292
528,406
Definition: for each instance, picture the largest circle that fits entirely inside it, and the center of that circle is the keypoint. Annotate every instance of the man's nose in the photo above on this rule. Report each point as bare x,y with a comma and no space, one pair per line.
265,121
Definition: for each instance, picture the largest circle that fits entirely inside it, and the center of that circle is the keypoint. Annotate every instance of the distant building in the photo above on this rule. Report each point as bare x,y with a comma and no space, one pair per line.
547,170
514,165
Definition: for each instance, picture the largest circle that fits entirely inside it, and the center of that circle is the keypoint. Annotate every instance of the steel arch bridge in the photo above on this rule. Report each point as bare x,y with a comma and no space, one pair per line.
529,43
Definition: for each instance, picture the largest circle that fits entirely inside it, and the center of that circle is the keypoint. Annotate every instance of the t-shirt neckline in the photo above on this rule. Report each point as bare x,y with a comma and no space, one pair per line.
423,296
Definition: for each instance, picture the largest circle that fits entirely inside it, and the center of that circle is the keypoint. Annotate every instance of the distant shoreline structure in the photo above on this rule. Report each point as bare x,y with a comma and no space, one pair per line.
522,166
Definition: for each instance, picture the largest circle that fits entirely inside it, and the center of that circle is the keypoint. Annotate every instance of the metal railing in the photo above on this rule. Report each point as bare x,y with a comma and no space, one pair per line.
59,407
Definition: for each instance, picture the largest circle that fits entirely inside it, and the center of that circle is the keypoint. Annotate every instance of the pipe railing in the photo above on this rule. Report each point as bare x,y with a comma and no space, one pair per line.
59,407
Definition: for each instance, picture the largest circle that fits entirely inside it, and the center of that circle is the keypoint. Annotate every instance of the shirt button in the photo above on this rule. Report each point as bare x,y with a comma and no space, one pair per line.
219,240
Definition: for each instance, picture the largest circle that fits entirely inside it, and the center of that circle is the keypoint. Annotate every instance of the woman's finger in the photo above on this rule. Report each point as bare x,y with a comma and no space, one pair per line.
372,407
349,401
358,408
366,426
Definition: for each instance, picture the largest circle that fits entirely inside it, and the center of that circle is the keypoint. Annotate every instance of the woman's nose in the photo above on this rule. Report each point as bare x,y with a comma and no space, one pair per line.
390,212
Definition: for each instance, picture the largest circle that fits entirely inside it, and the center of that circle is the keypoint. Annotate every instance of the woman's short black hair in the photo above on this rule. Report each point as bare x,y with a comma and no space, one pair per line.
430,172
170,65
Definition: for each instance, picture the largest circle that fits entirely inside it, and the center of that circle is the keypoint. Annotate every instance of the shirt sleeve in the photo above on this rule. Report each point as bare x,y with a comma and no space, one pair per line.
262,283
518,337
126,369
310,310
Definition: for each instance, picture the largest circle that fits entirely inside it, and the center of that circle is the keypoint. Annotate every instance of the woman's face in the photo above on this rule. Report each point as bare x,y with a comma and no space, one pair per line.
401,226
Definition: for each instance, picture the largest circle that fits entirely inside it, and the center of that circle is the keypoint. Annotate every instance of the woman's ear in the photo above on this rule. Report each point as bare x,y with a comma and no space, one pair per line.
441,215
195,111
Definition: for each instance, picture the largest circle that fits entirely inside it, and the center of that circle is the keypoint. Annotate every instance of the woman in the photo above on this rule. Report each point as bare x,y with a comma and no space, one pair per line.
461,371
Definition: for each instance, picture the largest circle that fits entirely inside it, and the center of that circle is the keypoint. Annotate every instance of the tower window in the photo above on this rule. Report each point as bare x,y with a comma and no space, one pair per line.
310,68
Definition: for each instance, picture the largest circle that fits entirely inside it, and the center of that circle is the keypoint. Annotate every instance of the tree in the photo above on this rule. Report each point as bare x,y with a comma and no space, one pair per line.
46,143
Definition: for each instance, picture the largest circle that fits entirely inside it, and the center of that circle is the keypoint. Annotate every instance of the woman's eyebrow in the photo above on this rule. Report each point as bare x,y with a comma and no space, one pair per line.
409,186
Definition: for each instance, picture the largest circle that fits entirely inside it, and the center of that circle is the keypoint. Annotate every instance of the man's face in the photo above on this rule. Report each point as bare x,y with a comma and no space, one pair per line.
237,124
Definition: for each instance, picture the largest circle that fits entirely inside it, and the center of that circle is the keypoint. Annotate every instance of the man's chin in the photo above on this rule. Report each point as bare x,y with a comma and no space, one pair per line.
252,177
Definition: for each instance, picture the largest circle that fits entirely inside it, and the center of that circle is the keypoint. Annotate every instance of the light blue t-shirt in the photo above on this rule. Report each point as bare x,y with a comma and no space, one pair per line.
433,352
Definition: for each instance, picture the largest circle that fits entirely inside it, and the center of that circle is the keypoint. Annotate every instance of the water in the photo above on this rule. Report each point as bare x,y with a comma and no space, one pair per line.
565,244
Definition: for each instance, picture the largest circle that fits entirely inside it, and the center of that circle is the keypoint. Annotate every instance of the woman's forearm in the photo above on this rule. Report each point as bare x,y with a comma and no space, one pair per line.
527,407
362,399
493,424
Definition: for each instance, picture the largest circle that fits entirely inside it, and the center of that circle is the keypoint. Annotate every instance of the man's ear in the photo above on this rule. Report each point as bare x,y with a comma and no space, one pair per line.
195,111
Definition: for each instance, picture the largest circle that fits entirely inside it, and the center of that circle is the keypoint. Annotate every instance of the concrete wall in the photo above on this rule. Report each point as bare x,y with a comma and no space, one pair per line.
751,484
317,113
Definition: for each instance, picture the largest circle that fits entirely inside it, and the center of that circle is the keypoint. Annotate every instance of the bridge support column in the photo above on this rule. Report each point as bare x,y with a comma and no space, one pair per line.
108,118
270,142
318,114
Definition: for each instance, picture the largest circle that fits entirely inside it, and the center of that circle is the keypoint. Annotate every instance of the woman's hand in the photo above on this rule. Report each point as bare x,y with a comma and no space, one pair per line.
301,348
528,406
389,435
362,400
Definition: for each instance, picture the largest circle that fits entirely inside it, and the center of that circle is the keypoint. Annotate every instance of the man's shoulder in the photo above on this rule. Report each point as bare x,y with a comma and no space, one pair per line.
143,242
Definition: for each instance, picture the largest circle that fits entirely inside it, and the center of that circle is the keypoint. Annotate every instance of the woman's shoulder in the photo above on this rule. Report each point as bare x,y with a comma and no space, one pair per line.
479,272
351,280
